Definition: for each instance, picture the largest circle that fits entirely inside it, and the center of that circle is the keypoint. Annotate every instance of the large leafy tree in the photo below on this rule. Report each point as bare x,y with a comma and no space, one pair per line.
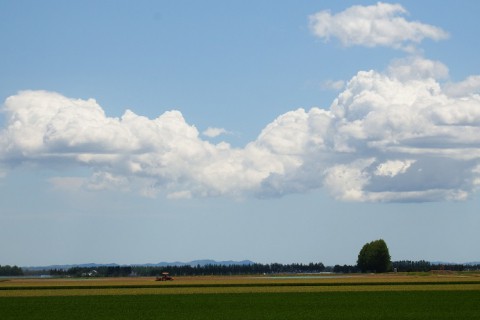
374,257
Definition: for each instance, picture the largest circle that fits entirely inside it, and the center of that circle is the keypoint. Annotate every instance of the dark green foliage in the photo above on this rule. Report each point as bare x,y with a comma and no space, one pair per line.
345,269
103,271
425,266
374,257
211,269
324,305
6,271
255,268
412,266
187,270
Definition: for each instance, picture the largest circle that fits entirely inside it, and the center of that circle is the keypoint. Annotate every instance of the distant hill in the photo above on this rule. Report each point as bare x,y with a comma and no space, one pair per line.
68,266
474,263
200,262
159,264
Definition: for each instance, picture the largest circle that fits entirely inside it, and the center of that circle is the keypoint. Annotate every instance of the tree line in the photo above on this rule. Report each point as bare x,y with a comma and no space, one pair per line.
6,271
255,268
411,266
188,270
375,257
100,271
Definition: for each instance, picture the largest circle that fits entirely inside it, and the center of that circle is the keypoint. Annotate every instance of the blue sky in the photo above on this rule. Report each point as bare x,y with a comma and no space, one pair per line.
147,131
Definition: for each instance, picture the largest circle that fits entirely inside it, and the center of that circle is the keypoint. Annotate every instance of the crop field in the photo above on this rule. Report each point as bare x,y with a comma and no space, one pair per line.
391,296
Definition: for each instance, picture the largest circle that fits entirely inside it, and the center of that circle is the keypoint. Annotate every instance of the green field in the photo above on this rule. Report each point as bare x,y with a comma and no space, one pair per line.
364,297
318,305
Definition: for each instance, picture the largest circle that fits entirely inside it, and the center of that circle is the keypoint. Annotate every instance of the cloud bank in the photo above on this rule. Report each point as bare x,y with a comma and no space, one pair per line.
382,24
398,135
404,134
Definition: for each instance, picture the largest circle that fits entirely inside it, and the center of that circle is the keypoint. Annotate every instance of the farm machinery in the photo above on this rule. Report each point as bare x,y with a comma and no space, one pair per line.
164,277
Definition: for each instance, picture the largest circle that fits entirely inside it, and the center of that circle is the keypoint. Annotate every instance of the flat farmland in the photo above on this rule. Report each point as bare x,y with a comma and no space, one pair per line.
389,296
239,284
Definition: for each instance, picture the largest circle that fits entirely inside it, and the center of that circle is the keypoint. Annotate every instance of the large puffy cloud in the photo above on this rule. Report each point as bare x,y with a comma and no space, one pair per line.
382,24
405,137
164,153
398,135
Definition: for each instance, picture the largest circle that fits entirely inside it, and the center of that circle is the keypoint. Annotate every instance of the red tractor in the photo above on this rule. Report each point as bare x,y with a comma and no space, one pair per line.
164,277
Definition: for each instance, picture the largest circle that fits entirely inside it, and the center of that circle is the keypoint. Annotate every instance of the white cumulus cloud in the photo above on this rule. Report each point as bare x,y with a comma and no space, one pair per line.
382,24
393,167
398,135
214,132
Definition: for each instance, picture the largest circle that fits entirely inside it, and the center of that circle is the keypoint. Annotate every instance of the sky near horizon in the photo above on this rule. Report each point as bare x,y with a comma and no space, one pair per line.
294,131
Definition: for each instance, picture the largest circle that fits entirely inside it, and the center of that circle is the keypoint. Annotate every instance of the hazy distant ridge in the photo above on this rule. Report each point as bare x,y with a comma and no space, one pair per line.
474,263
160,264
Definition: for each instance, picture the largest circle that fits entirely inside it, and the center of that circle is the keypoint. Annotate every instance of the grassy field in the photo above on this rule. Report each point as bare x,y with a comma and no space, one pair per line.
316,305
420,296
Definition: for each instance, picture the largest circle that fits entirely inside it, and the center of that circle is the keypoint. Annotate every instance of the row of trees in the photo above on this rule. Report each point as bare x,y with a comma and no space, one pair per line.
102,271
274,268
425,266
373,257
255,268
410,266
187,270
414,266
7,271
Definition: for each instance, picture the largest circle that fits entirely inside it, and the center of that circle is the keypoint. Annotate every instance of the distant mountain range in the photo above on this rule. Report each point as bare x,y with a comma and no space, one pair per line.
178,263
452,263
160,264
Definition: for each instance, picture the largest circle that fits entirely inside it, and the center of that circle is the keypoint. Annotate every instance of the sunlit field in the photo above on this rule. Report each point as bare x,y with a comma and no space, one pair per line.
388,296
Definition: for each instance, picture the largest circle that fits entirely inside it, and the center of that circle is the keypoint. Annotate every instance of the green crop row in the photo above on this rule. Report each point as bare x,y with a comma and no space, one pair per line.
319,305
241,285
